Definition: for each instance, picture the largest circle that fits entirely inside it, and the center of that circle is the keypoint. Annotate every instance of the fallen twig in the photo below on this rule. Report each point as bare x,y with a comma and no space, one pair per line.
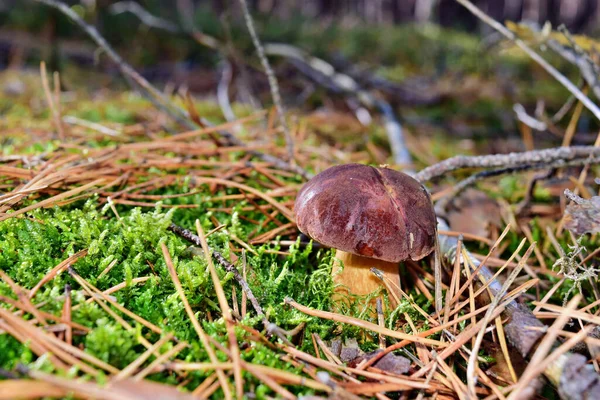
511,160
273,85
227,266
325,74
442,204
145,17
574,55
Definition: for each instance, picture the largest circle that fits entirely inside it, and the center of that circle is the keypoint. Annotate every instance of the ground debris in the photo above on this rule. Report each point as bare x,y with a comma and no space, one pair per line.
582,215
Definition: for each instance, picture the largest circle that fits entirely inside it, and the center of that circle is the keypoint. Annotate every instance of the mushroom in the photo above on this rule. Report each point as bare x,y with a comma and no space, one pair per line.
373,217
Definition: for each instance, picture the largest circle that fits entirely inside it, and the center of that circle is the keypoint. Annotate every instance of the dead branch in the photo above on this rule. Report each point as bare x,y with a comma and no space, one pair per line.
157,97
325,74
223,91
144,16
193,238
511,160
443,204
527,119
410,94
273,85
271,328
573,54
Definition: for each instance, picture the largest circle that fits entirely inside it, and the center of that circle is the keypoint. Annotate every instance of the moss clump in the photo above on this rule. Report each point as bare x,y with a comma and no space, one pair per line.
31,246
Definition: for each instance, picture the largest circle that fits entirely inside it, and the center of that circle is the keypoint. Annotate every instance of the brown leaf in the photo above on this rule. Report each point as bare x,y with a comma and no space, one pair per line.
583,216
346,351
350,350
391,363
474,212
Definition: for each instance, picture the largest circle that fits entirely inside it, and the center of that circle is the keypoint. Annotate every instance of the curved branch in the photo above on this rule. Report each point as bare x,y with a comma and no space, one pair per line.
510,160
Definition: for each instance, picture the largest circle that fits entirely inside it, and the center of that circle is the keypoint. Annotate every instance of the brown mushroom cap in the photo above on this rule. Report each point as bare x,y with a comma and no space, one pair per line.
373,212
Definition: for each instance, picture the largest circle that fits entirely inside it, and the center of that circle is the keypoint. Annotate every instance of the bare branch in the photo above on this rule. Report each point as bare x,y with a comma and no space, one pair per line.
143,15
155,95
223,91
271,328
544,157
273,85
193,238
442,204
575,55
527,119
325,74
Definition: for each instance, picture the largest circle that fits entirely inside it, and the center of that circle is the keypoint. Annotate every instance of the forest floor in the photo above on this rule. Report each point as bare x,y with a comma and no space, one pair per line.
102,296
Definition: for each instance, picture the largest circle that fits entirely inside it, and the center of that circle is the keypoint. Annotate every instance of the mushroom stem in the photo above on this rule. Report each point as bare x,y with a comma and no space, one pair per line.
356,278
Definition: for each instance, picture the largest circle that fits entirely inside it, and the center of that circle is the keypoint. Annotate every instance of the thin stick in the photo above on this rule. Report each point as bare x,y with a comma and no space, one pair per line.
125,68
201,333
471,180
191,237
380,321
325,74
157,97
66,315
273,85
510,160
437,269
244,294
145,17
53,108
544,347
226,312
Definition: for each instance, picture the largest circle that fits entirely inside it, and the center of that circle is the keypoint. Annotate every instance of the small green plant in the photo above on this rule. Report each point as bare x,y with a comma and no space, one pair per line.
569,266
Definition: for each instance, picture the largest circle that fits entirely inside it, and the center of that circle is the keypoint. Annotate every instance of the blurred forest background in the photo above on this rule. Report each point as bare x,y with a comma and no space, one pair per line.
30,31
424,55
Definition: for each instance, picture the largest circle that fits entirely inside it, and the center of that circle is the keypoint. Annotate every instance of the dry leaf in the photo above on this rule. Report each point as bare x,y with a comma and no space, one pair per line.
582,216
391,363
474,212
347,351
350,353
